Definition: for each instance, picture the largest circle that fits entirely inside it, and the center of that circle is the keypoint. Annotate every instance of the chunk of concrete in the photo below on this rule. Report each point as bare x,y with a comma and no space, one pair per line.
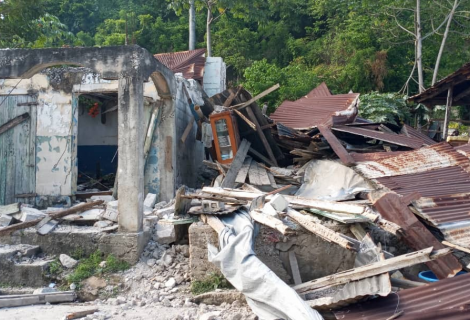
67,261
45,290
270,211
171,283
6,220
149,203
165,233
106,199
160,205
102,224
111,212
279,203
10,209
165,212
30,214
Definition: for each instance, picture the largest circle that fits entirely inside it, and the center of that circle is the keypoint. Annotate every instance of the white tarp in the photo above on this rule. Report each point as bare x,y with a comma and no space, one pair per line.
268,296
331,180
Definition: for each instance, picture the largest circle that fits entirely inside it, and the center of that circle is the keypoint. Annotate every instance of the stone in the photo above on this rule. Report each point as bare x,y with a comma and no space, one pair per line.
269,210
279,203
73,286
111,212
166,259
120,300
157,285
102,264
149,203
67,261
171,283
165,233
165,212
160,205
236,316
151,262
90,288
179,279
6,220
106,199
166,303
45,290
102,224
214,315
30,214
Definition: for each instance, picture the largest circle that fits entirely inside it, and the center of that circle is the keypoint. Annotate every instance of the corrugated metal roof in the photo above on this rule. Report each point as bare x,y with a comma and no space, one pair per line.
445,299
374,156
397,139
310,112
412,132
440,155
445,208
464,149
189,63
320,91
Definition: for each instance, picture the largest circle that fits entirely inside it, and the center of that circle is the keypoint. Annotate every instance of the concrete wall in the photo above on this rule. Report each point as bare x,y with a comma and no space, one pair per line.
215,77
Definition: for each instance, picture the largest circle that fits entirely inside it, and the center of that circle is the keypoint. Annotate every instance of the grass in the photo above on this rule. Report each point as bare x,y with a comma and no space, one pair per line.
55,268
212,282
90,266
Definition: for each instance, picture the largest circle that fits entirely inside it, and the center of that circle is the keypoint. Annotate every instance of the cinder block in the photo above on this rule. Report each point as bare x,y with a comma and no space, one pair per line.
279,203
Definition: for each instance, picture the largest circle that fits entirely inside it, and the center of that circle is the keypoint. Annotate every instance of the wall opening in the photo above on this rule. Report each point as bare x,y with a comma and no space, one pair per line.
97,140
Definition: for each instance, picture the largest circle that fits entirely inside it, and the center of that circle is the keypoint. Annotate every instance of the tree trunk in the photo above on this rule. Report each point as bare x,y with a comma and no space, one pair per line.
192,25
444,39
208,31
419,46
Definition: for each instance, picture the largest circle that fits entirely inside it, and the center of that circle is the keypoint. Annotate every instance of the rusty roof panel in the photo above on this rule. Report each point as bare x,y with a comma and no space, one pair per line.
310,112
445,299
189,63
445,209
374,156
440,155
397,139
412,132
464,149
320,91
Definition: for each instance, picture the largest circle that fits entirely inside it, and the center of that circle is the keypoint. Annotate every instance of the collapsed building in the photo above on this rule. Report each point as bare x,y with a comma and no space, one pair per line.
311,208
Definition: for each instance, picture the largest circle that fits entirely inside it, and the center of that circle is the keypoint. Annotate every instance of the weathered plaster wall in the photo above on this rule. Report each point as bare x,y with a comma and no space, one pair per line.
214,76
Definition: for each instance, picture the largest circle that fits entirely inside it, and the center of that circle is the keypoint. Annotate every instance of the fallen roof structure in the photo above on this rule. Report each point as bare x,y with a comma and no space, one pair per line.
189,63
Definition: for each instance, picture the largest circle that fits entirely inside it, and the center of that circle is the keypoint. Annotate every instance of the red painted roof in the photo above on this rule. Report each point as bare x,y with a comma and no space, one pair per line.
189,63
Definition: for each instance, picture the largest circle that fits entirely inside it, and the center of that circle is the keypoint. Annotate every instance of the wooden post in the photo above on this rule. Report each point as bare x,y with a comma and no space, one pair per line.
450,93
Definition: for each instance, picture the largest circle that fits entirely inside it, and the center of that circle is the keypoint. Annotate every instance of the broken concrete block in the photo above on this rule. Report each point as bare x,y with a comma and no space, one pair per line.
171,283
10,209
6,220
46,225
30,214
149,202
270,211
209,206
160,205
106,199
111,212
165,212
102,224
279,203
164,233
89,215
67,261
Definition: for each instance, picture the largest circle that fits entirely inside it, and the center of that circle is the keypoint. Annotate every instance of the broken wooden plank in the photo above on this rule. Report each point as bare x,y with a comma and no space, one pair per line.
150,129
279,190
236,165
187,130
220,168
258,175
256,98
341,217
270,221
55,215
358,231
14,122
214,165
293,200
271,180
25,195
232,96
243,172
372,269
455,246
261,157
316,228
294,266
336,145
80,314
215,198
182,204
261,135
248,122
214,222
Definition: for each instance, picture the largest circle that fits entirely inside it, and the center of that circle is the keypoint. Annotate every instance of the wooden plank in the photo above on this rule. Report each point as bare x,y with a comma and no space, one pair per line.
293,200
182,204
187,130
279,190
316,228
214,222
372,269
294,266
80,314
261,135
236,165
258,175
270,221
13,122
455,246
271,180
55,215
256,98
336,145
243,172
248,122
261,157
417,236
341,217
358,231
232,96
168,153
151,128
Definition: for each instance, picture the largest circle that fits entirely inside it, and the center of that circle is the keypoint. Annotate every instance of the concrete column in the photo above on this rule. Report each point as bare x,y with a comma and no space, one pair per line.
131,153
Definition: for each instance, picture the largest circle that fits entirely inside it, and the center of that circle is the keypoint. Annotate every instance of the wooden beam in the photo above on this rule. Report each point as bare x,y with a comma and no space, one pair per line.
243,172
187,130
256,98
213,221
232,96
455,246
150,129
294,266
182,204
13,122
80,314
336,145
372,269
358,231
462,94
261,157
450,93
248,122
55,215
270,221
318,229
236,165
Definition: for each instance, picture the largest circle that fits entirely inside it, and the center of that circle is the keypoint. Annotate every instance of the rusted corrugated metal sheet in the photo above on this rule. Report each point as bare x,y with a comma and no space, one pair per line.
308,113
320,91
438,156
464,149
445,299
412,132
400,140
189,63
374,156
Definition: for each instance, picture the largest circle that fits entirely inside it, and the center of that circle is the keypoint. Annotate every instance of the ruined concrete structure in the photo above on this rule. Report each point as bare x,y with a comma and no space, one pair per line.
39,162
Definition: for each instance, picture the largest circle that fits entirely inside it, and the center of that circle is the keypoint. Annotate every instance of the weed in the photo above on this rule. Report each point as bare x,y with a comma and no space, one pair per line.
115,265
55,268
211,283
78,254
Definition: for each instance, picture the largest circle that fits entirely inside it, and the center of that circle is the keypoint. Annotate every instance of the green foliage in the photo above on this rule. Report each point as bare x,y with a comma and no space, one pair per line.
384,107
55,268
91,266
211,283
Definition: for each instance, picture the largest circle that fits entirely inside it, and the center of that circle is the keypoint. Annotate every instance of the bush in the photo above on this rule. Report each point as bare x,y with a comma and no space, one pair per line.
211,283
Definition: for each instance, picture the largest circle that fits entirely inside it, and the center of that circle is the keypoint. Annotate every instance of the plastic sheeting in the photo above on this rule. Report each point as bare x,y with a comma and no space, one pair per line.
267,295
330,180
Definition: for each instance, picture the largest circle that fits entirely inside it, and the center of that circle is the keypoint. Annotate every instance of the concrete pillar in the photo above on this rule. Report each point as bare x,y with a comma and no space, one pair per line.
131,153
